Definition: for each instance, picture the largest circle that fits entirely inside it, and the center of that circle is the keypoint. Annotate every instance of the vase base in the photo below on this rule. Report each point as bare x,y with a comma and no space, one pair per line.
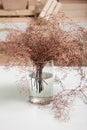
39,100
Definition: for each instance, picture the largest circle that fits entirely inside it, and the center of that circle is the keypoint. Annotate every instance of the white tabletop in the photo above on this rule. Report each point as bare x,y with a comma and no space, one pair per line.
16,113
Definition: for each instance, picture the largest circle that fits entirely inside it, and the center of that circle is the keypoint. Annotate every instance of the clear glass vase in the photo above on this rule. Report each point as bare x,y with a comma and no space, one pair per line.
41,84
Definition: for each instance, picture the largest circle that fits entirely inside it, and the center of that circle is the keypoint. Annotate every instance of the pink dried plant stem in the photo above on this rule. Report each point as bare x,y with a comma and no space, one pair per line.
63,101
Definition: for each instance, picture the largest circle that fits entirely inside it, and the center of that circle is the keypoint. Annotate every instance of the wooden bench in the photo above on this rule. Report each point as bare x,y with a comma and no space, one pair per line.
51,7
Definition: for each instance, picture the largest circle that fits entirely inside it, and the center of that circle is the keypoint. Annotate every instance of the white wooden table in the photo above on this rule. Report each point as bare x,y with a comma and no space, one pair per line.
16,113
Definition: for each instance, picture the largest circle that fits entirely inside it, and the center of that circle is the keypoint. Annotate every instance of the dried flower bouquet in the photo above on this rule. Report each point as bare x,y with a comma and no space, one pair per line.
47,40
44,41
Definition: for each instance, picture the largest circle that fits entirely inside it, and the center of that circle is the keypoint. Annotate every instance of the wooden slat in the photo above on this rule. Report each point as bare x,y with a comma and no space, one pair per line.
16,20
75,6
79,19
51,7
58,7
46,8
76,14
73,1
76,11
25,12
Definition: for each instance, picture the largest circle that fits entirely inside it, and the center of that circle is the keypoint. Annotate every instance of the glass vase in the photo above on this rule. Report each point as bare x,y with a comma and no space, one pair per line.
41,84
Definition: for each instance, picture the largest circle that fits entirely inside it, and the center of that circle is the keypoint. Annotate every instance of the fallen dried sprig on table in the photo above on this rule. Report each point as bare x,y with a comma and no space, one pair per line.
63,101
